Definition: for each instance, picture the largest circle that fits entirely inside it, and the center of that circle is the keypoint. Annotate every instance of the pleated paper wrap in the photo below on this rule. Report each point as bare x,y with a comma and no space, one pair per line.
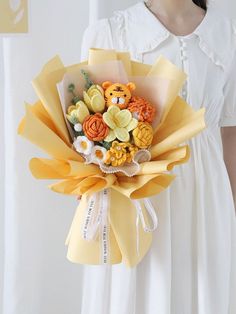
45,126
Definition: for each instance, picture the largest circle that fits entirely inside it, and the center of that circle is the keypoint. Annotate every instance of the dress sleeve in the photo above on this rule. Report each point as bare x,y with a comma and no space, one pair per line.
97,35
228,113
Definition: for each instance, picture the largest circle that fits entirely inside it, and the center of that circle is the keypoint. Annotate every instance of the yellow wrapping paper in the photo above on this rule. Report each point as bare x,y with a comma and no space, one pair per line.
45,126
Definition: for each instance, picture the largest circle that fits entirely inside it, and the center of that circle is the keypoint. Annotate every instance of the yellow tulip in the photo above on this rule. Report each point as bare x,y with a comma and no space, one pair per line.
94,98
77,113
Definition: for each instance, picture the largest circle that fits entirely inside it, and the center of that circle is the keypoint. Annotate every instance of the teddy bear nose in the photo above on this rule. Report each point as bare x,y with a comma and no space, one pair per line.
118,100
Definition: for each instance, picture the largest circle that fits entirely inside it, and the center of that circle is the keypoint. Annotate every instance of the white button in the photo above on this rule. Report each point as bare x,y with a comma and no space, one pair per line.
182,42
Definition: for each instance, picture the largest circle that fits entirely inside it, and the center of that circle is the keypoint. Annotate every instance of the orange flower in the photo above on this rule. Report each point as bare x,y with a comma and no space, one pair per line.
95,128
142,110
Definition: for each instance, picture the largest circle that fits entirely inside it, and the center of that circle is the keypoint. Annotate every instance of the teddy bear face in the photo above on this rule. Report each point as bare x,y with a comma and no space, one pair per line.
118,94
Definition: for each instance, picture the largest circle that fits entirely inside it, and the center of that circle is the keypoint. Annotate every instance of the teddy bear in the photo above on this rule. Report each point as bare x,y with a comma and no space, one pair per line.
118,94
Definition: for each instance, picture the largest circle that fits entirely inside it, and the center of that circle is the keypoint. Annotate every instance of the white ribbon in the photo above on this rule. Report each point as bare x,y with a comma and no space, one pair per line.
91,221
104,226
152,213
96,219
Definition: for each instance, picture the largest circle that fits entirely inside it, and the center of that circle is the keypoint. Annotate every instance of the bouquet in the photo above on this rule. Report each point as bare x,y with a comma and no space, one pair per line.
113,128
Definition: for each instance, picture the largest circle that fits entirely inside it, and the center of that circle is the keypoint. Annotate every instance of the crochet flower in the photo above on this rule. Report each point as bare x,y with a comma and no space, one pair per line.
77,113
95,128
83,145
119,148
78,127
142,109
120,123
116,156
143,135
132,151
98,154
119,153
94,98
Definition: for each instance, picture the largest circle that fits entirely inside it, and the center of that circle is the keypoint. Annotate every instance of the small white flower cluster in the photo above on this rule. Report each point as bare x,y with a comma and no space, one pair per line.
84,146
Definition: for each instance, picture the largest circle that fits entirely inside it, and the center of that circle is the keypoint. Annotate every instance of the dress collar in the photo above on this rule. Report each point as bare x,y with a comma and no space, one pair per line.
209,32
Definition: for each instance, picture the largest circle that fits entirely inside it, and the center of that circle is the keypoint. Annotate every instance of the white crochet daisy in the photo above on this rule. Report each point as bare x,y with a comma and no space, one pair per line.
83,145
98,154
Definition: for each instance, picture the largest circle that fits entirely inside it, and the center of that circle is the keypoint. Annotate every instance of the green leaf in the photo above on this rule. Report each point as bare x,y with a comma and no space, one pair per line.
106,145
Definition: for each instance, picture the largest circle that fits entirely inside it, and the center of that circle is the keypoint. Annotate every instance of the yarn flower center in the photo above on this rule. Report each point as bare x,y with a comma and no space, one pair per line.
83,145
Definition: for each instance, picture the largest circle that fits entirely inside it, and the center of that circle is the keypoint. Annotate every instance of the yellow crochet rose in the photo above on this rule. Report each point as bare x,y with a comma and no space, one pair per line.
120,123
143,135
77,113
94,98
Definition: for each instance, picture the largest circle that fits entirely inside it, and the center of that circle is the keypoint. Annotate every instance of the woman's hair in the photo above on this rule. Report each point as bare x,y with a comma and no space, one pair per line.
201,3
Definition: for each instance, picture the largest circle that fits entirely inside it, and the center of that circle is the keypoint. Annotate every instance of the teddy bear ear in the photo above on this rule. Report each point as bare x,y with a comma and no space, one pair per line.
131,86
106,84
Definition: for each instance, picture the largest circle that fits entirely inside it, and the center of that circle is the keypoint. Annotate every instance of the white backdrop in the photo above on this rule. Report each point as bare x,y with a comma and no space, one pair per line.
35,276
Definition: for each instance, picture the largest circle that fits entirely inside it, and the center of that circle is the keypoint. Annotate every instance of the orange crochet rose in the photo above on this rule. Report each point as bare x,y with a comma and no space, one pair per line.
142,110
95,128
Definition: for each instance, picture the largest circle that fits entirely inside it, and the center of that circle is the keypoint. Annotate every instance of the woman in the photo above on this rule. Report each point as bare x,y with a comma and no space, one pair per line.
190,268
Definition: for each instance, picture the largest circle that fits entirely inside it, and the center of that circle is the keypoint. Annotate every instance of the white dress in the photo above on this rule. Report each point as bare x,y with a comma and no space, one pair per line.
191,266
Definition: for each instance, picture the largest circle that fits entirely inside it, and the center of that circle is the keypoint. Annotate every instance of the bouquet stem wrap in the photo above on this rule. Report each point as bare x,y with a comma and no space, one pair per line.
96,224
114,219
106,237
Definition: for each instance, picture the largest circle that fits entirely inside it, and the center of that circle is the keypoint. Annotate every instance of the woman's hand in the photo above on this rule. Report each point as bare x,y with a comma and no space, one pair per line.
228,135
